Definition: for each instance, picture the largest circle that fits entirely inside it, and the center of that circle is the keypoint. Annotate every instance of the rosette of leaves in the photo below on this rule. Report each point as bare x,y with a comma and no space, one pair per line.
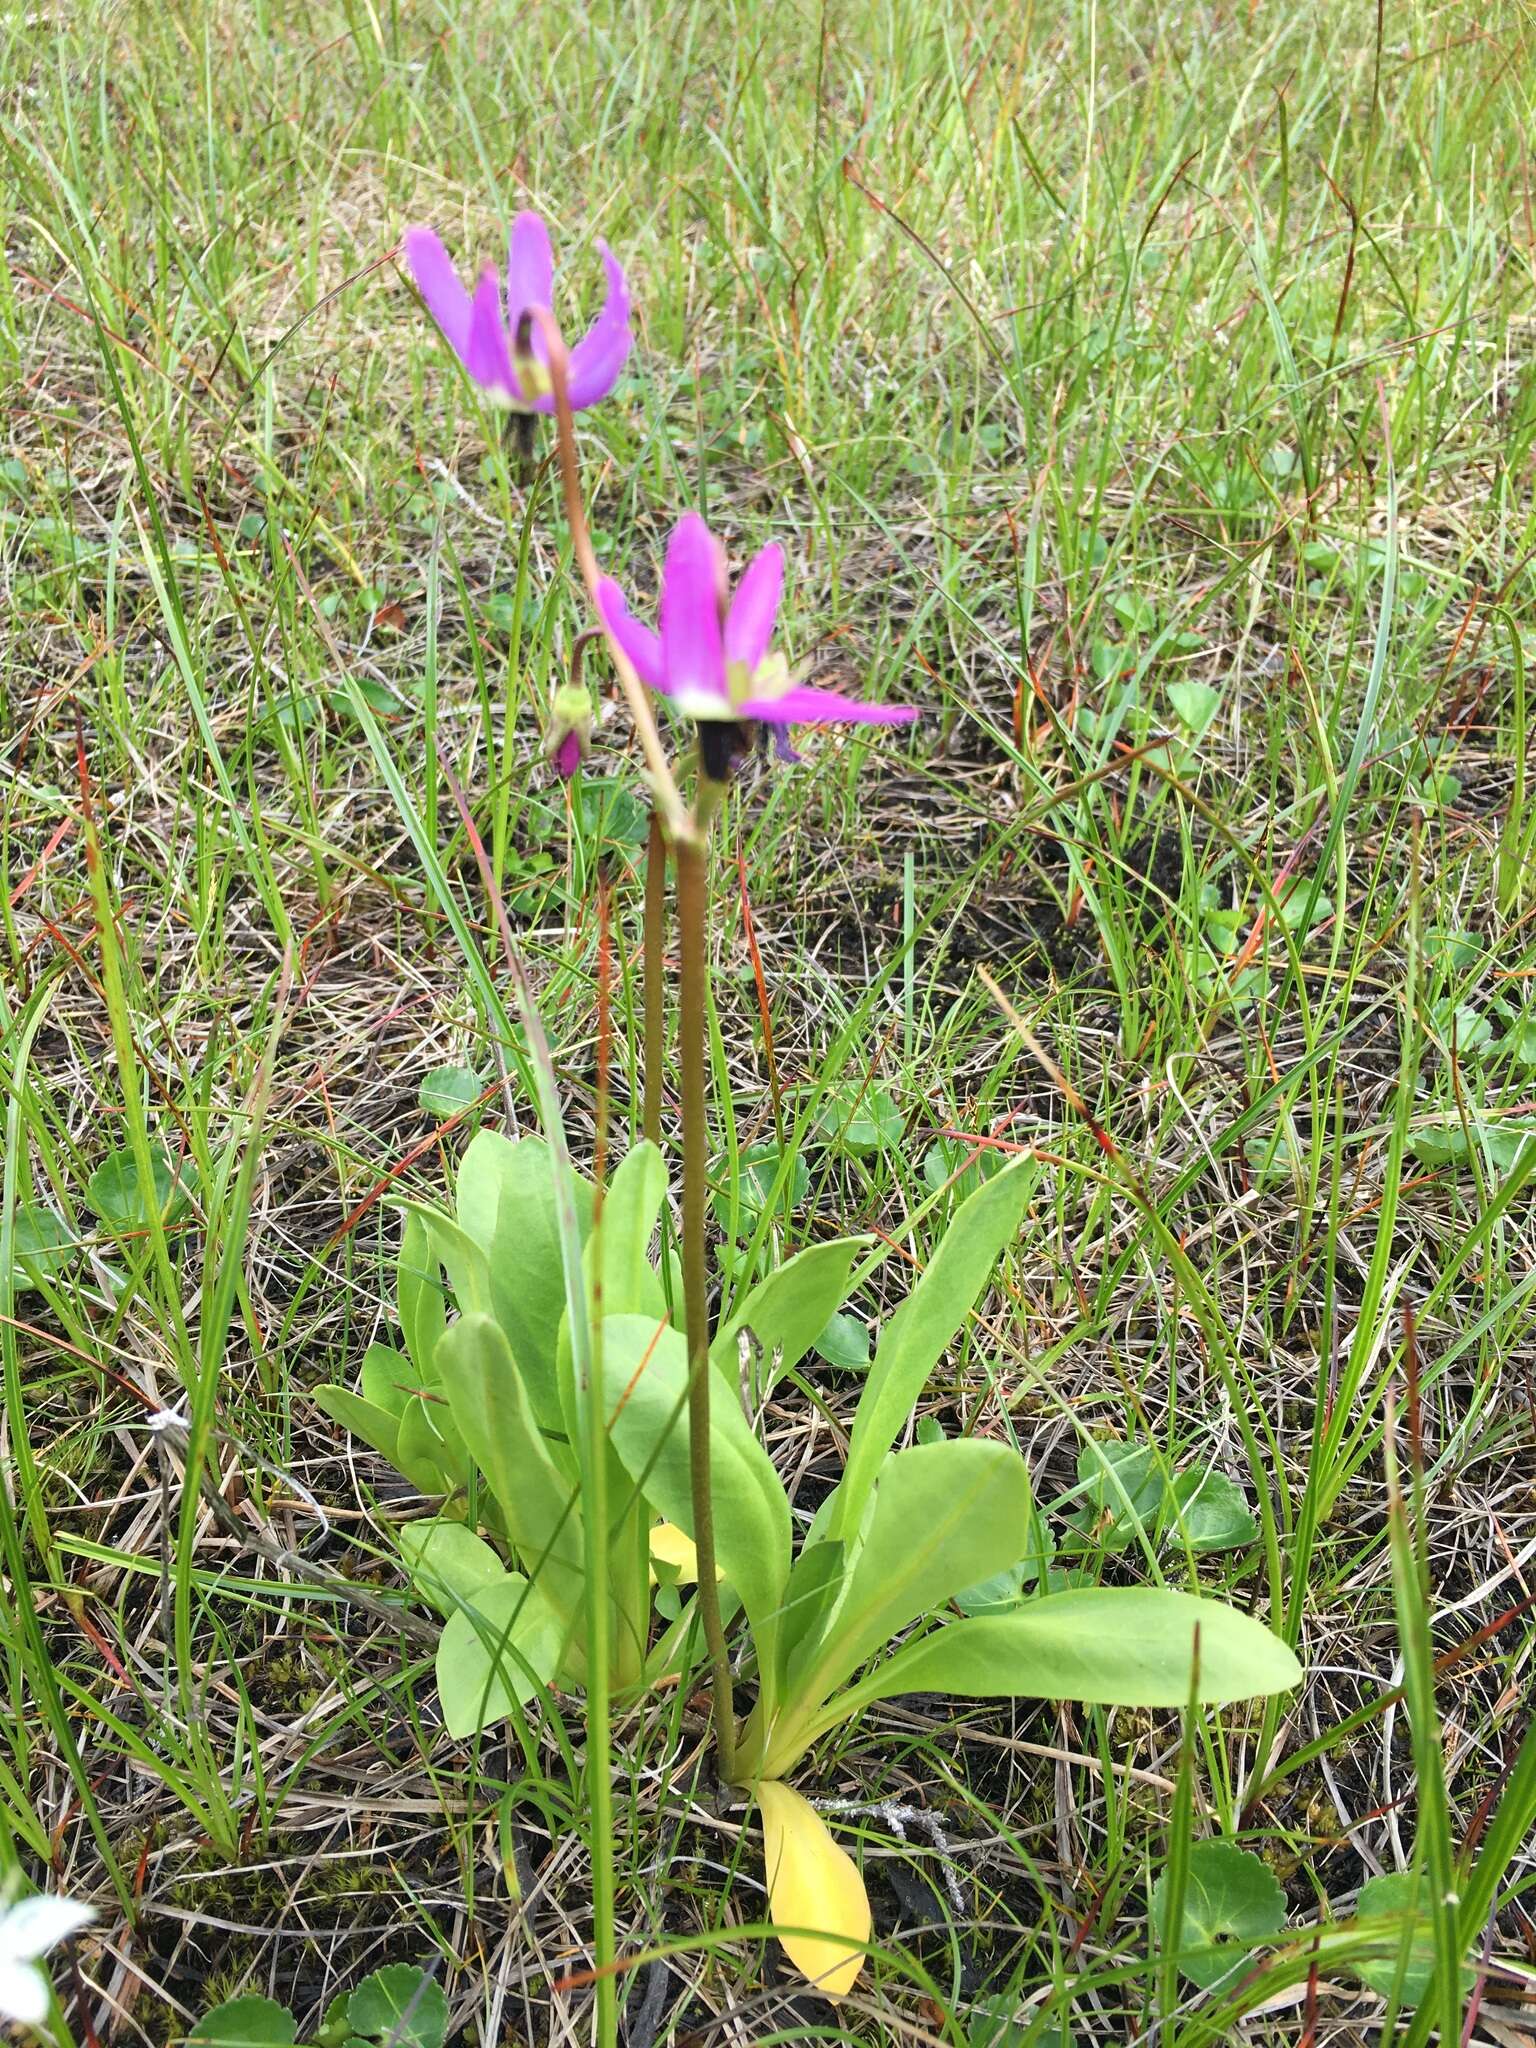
483,1407
479,1405
860,1608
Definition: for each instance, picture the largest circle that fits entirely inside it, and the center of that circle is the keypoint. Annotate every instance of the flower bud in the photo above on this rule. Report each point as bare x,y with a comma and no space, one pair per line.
569,738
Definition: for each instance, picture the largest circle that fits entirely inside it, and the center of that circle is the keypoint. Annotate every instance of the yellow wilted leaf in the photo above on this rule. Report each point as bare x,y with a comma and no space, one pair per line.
671,1546
812,1883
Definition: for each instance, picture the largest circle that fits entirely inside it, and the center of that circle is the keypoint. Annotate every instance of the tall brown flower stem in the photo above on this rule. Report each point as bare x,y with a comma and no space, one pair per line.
688,833
693,1038
654,969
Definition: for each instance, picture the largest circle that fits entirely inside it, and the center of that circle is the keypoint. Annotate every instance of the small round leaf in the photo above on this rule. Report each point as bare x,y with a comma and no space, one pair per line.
400,2004
249,2022
42,1245
844,1343
1232,1901
447,1091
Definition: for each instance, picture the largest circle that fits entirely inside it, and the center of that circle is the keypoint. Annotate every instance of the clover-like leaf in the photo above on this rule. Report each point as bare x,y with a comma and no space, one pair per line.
448,1091
1232,1902
1209,1512
862,1121
42,1245
1120,1489
1194,704
969,1163
844,1343
116,1196
610,808
249,2022
1406,1960
760,1166
399,2004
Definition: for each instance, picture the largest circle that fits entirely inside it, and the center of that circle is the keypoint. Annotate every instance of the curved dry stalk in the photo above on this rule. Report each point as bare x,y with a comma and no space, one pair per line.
679,824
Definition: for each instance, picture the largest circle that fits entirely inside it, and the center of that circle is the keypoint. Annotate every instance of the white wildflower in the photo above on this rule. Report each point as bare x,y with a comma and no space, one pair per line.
27,1930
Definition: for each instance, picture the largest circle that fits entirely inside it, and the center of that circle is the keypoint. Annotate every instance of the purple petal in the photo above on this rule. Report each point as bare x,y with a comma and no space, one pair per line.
486,356
437,281
530,267
750,620
691,648
804,704
568,755
600,355
637,641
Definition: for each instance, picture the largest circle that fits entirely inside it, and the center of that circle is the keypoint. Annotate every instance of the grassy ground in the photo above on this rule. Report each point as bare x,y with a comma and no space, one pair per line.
1146,392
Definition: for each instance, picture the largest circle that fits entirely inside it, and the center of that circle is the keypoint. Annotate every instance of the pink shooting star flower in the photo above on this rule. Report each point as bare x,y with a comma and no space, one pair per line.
483,331
712,657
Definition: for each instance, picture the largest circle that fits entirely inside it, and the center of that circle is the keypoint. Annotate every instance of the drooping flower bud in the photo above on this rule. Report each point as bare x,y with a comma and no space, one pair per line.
569,738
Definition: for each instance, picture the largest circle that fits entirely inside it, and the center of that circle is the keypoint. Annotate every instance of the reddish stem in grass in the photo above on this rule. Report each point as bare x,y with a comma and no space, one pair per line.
764,1014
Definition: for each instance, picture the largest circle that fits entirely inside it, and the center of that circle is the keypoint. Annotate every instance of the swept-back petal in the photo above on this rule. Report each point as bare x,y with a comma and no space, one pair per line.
486,355
600,355
438,282
749,622
638,642
804,704
530,266
692,650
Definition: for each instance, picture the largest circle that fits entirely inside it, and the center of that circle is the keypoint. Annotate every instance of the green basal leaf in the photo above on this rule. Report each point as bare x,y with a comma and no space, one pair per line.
506,1205
1005,1589
387,1379
945,1515
495,1653
459,1256
422,1303
787,1311
1109,1646
645,1374
430,1450
448,1564
542,1514
631,1206
926,1322
815,1584
1232,1902
376,1426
